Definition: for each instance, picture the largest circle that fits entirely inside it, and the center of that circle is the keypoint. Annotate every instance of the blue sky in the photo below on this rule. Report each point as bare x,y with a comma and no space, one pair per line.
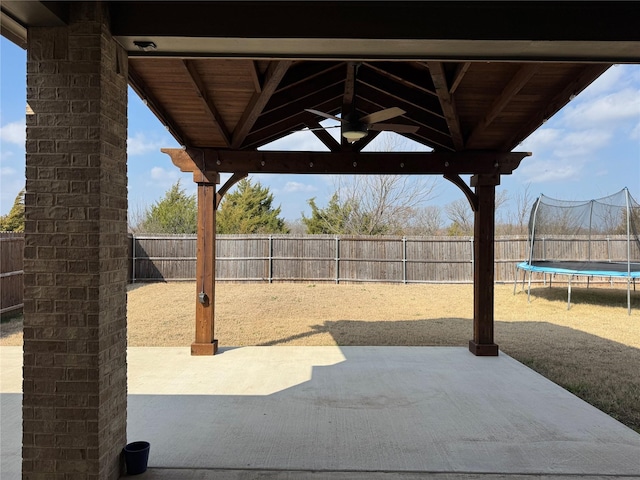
590,149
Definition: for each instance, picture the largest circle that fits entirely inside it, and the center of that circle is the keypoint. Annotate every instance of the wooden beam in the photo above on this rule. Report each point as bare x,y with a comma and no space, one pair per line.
482,343
400,92
346,162
275,72
461,69
519,80
155,106
325,137
255,76
207,102
447,103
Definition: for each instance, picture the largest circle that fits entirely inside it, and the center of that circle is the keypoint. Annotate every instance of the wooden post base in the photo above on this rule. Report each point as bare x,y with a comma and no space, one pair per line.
483,350
201,349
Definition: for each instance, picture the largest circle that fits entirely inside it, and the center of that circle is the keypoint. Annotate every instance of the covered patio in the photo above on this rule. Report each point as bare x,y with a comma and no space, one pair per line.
470,80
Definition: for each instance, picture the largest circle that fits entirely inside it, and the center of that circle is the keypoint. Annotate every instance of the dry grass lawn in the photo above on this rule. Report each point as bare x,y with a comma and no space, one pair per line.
593,350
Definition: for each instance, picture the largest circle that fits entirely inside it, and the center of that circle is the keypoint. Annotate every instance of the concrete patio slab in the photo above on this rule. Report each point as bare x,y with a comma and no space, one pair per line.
351,413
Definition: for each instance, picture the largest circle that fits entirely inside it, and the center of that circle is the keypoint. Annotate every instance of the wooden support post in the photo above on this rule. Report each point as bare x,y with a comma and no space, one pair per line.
204,343
483,271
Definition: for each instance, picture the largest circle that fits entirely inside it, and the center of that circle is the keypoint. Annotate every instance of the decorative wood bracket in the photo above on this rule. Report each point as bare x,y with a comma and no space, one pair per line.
457,181
235,178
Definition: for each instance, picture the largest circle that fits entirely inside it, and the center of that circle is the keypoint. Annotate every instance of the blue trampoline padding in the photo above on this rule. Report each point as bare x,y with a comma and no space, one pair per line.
595,269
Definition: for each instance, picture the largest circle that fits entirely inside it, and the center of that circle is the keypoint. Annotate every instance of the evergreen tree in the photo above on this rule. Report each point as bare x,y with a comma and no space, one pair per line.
333,219
14,220
248,209
177,212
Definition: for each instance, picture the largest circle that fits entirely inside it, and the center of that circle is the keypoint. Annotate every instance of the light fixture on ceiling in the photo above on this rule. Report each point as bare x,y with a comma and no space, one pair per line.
352,133
145,45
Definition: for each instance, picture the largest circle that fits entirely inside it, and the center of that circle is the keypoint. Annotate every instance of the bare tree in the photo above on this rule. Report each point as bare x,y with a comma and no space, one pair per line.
426,221
461,217
384,204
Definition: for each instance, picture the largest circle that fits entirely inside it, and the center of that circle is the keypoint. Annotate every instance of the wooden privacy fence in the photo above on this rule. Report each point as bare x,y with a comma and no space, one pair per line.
319,258
11,274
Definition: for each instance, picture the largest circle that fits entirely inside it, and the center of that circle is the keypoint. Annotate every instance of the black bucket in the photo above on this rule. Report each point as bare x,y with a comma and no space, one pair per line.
136,456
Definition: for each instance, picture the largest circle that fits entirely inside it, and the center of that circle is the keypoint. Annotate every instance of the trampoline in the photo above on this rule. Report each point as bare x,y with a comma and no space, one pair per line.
560,229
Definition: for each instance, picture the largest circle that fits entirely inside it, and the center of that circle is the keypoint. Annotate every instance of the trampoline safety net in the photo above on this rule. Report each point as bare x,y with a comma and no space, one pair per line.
584,230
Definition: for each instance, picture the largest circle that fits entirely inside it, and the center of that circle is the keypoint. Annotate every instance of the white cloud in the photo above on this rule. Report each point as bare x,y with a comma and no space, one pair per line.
139,144
161,175
291,187
635,132
605,111
539,171
14,132
540,140
7,171
582,143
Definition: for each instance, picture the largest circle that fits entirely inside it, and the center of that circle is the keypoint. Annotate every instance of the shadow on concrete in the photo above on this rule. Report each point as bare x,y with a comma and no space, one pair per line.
598,370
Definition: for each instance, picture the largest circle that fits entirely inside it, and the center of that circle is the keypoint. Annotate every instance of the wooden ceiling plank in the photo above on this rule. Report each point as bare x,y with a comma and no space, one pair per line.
274,75
447,103
207,103
461,69
347,162
519,80
556,102
139,86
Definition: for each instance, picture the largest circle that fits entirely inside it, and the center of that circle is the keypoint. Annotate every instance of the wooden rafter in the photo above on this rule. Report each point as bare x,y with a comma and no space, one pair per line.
410,75
458,75
207,102
447,103
255,76
325,137
274,75
349,88
155,106
346,162
417,99
519,80
556,102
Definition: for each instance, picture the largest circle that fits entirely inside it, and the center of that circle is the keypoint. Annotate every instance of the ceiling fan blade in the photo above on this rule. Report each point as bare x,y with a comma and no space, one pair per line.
316,129
382,115
394,127
325,115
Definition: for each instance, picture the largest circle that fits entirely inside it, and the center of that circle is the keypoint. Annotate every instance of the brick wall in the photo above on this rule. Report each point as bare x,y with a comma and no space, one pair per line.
74,405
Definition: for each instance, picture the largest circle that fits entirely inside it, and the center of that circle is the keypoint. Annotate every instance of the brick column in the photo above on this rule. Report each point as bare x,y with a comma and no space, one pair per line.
75,269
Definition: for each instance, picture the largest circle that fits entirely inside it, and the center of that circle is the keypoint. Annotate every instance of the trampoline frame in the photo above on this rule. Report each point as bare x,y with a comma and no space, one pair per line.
630,271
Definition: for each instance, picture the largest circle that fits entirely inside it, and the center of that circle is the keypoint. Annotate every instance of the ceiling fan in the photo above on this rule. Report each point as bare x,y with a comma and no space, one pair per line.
354,127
